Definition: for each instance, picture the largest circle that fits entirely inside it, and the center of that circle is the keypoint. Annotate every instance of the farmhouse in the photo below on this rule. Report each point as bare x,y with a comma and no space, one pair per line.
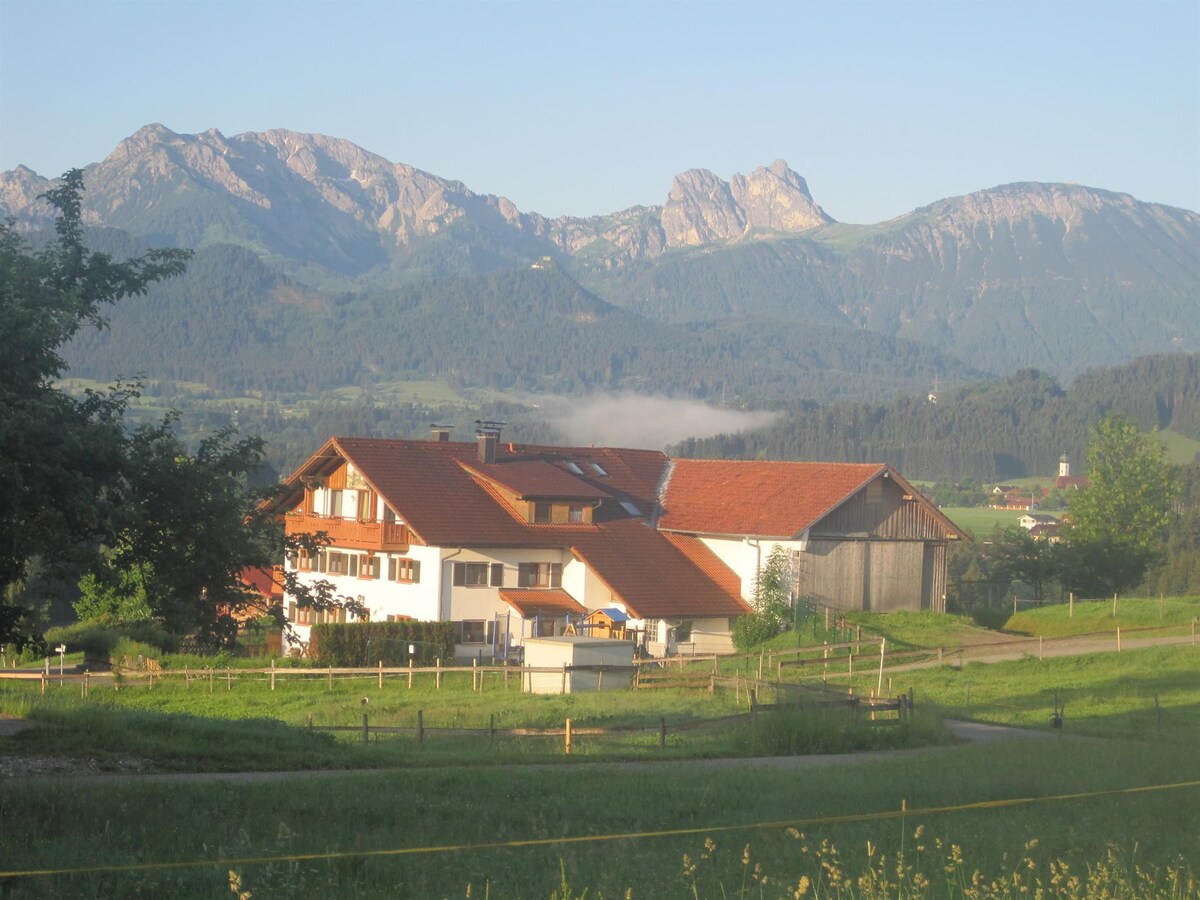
515,542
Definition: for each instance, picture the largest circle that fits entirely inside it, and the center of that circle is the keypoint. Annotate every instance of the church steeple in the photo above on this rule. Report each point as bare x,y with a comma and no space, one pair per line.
1064,467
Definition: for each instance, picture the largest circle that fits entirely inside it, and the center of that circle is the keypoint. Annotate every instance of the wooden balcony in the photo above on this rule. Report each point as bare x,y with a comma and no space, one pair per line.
351,534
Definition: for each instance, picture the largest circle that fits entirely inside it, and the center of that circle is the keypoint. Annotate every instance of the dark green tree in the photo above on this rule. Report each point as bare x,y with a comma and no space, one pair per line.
1019,556
59,455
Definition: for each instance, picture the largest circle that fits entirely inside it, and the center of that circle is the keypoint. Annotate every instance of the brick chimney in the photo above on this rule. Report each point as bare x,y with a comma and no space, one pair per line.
488,435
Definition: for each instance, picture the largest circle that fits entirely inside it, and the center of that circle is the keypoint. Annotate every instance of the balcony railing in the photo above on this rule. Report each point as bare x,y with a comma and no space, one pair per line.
351,533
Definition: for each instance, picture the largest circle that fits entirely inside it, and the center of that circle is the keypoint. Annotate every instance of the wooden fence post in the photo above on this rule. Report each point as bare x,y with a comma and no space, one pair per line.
564,685
210,681
662,733
381,674
438,673
229,679
272,674
1039,646
1118,638
410,672
567,736
1070,604
850,671
879,686
87,684
42,676
310,720
331,676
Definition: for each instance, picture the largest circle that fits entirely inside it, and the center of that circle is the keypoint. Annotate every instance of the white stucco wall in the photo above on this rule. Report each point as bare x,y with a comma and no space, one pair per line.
745,556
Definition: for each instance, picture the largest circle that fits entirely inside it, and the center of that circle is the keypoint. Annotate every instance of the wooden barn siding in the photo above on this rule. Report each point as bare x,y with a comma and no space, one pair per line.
878,576
893,517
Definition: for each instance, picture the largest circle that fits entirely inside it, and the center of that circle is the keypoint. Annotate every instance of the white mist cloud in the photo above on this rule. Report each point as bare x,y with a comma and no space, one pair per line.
637,420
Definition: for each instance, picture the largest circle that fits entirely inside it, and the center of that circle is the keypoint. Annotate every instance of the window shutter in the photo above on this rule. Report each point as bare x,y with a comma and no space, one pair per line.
555,575
416,570
497,574
460,574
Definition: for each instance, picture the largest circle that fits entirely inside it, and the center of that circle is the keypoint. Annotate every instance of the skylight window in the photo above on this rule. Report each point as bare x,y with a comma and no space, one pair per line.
598,469
630,508
574,468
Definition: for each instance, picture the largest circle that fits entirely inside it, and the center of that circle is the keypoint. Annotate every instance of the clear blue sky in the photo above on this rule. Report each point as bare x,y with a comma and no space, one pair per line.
584,108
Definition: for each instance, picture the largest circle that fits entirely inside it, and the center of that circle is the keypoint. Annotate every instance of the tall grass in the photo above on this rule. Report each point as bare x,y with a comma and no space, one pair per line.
82,823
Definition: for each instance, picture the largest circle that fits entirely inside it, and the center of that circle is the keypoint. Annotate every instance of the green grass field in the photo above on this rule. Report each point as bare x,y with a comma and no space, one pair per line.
1061,619
980,521
1014,813
726,821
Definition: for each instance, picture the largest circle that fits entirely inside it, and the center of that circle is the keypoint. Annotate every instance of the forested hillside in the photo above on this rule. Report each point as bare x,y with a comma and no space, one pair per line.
237,325
1015,426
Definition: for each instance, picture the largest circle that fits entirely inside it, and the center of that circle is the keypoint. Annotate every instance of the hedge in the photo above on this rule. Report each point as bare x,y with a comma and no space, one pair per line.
368,643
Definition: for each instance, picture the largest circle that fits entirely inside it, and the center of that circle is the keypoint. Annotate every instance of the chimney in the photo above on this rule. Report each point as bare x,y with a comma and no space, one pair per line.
488,435
441,433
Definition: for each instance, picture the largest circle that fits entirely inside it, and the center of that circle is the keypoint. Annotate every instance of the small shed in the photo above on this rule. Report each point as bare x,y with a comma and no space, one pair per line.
606,623
576,663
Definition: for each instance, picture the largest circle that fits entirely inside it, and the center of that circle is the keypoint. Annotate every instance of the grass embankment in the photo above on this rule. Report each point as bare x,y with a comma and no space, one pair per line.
214,727
743,811
1086,617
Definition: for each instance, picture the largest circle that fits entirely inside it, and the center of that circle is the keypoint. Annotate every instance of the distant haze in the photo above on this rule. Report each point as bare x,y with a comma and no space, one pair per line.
636,420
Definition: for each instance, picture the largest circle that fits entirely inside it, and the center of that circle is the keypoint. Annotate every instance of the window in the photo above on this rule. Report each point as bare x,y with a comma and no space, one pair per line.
542,575
368,566
598,469
574,468
559,513
478,574
630,508
476,631
366,506
400,569
335,503
338,563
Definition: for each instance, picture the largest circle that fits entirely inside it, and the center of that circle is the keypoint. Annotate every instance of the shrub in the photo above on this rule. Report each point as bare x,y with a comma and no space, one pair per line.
366,643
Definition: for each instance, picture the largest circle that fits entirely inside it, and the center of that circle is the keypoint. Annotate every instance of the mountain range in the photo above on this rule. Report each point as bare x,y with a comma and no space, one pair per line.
744,286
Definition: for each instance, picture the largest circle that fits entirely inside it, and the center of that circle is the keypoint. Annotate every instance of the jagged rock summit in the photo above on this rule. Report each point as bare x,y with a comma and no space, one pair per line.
269,188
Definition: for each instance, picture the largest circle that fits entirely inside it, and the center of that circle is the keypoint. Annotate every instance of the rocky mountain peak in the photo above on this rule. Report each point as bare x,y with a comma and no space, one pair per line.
702,208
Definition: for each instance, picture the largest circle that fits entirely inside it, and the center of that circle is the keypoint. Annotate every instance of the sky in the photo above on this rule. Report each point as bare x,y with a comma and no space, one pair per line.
585,108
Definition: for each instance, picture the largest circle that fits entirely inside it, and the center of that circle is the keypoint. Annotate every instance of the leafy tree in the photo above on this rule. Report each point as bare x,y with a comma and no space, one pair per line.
1019,556
58,455
772,602
1118,521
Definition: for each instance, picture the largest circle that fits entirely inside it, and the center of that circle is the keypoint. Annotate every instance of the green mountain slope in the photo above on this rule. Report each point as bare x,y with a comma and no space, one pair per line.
1012,427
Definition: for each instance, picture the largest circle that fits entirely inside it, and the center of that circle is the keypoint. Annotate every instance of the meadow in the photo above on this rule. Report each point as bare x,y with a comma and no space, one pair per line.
1108,804
960,817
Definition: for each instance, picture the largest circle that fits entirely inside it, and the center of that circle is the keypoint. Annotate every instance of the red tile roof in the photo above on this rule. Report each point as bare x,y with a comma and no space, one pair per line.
530,603
536,479
657,575
761,499
429,485
261,580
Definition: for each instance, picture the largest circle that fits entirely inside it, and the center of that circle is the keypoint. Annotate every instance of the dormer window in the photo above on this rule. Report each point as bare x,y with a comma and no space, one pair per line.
546,513
598,469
